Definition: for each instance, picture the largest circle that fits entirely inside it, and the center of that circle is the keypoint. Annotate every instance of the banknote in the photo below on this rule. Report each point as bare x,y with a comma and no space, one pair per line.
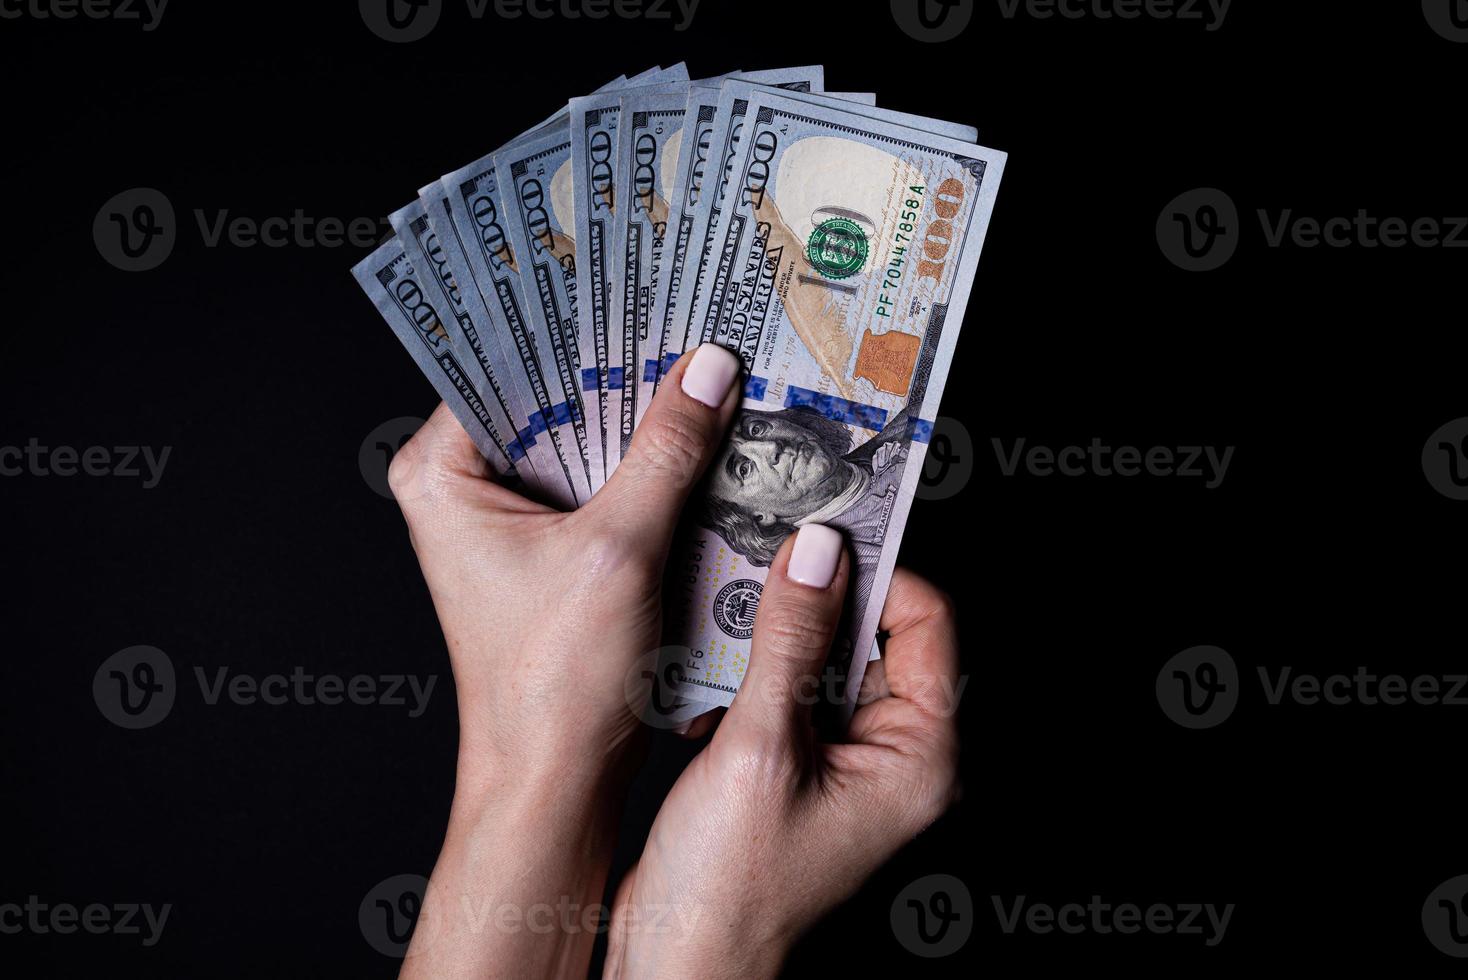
473,338
414,308
432,230
477,210
646,153
471,198
593,124
846,251
701,306
537,183
723,129
683,195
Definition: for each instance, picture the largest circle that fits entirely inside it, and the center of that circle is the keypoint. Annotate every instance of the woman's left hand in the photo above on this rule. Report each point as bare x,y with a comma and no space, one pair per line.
544,614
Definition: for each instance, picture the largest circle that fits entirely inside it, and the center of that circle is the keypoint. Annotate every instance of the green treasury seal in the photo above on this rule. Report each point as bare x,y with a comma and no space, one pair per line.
837,248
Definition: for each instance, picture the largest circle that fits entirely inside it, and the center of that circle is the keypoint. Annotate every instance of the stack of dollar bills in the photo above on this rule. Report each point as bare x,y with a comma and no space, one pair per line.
546,288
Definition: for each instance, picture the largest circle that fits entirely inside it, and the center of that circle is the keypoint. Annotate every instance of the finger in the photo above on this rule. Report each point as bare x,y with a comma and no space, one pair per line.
799,611
874,683
683,428
703,724
441,459
920,662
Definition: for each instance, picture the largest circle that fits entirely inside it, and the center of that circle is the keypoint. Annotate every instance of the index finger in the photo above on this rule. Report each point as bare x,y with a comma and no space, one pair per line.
921,657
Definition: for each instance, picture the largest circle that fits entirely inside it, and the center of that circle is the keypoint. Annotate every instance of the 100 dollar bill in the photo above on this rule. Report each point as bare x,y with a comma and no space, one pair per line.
477,208
846,251
594,121
414,308
536,181
647,154
680,173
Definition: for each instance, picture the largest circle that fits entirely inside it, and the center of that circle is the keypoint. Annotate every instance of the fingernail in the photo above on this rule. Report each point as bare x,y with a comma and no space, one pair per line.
709,375
815,555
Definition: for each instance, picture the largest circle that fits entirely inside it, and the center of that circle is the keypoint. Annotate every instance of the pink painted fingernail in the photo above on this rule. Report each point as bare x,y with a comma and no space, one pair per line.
709,375
815,556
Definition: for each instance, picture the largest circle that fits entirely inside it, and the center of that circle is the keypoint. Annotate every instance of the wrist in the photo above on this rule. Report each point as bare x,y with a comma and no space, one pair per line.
494,795
674,933
650,955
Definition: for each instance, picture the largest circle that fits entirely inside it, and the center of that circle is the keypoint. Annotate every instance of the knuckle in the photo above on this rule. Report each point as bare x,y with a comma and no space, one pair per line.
793,630
405,468
673,445
606,551
934,784
760,771
943,605
418,477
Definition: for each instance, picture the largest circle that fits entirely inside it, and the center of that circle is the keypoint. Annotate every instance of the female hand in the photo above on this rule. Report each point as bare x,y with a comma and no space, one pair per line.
544,614
767,829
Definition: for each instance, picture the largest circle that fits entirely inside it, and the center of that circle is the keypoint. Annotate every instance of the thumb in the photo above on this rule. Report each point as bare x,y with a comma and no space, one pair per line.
672,447
799,612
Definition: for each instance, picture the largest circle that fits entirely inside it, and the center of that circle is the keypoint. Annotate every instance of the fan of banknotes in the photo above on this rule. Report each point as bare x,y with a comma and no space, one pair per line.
546,288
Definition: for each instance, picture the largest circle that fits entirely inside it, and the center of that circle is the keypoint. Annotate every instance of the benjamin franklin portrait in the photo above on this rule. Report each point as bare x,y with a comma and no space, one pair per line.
795,466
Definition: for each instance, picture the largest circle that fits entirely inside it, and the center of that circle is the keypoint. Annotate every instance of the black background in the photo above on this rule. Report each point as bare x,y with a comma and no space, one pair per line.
264,547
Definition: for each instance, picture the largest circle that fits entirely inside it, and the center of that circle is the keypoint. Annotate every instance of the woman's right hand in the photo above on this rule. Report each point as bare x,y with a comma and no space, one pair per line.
768,829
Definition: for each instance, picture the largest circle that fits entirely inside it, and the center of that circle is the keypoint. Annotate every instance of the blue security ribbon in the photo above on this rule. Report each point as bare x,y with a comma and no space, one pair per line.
839,409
